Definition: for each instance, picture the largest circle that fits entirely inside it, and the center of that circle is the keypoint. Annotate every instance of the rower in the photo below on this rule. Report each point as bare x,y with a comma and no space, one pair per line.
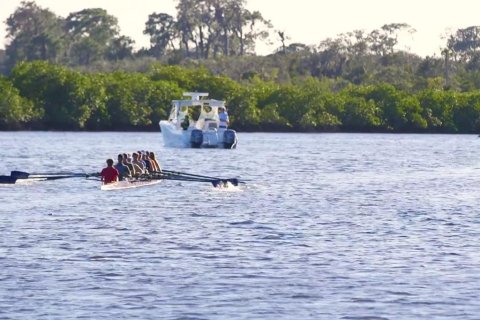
154,162
127,160
109,174
146,160
138,166
140,159
123,170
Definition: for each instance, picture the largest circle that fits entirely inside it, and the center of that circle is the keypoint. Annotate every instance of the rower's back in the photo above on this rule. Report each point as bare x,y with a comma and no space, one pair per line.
123,170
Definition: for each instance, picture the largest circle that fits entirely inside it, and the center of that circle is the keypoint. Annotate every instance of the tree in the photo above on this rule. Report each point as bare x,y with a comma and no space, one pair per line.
243,109
194,21
383,41
91,32
465,43
252,28
331,58
359,113
430,67
120,48
67,98
161,28
131,98
34,33
283,38
14,109
466,114
219,26
356,43
399,111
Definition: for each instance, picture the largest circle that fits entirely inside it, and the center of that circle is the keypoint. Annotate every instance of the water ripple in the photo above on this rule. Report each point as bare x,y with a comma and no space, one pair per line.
351,227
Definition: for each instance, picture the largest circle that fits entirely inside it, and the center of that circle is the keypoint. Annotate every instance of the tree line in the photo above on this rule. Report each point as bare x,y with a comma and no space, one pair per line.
221,35
201,29
40,95
78,72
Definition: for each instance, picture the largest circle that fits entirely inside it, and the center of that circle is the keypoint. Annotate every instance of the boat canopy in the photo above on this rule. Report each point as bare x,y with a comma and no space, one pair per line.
205,109
194,121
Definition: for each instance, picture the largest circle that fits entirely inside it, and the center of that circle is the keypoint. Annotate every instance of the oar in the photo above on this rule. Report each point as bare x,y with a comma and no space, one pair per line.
174,177
214,181
187,174
49,176
182,179
7,180
233,181
26,175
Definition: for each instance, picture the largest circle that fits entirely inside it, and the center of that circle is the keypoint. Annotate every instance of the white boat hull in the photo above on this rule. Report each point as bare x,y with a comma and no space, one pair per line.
174,137
128,184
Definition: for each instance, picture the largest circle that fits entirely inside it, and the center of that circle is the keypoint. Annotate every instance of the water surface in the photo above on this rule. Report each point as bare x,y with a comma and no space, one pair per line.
328,226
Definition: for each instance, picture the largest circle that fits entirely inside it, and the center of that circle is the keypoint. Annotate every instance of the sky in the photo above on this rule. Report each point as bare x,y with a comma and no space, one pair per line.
303,21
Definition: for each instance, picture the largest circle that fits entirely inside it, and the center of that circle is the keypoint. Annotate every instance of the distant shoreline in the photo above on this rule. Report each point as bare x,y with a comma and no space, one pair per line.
250,131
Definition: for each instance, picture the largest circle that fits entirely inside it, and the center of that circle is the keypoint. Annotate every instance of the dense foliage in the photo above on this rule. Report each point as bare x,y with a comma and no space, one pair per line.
42,95
202,29
79,73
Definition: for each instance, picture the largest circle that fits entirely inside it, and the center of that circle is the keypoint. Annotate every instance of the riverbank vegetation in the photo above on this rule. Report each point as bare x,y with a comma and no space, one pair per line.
79,73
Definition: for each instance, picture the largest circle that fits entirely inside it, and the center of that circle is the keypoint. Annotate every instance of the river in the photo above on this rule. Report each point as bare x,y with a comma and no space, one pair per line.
327,226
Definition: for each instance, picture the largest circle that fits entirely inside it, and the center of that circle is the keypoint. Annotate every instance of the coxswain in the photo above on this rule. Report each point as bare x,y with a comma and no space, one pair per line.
109,174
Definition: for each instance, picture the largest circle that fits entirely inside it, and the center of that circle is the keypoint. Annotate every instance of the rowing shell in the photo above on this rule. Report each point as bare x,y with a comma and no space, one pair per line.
127,184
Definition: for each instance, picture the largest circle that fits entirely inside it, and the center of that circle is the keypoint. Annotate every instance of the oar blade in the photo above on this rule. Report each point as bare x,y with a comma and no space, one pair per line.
19,174
233,181
224,182
195,177
7,180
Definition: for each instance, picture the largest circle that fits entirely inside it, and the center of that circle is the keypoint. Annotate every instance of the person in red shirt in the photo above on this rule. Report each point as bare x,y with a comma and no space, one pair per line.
109,174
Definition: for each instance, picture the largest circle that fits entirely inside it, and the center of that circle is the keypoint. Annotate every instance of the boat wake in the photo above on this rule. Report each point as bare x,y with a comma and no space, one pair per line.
228,187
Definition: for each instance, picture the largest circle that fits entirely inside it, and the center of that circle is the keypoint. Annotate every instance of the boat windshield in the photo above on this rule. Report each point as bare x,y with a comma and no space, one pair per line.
208,113
173,113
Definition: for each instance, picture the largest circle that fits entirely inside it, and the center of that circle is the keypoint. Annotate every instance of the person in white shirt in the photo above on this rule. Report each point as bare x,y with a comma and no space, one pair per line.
223,118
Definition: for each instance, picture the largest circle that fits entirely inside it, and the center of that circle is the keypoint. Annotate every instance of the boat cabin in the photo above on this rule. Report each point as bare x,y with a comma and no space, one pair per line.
195,123
202,113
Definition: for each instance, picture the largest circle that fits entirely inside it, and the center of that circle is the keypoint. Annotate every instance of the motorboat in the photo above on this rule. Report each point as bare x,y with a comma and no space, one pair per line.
195,123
